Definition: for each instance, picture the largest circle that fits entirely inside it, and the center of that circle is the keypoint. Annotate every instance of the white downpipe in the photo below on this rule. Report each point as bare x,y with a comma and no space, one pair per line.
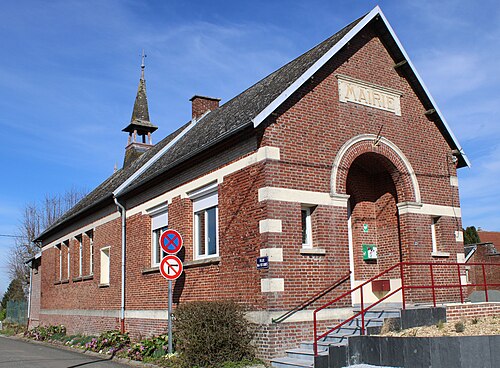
124,240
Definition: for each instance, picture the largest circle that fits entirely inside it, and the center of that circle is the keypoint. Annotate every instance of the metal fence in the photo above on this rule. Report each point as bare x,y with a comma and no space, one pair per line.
17,312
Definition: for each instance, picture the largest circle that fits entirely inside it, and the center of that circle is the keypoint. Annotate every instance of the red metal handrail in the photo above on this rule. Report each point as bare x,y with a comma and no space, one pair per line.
313,298
402,288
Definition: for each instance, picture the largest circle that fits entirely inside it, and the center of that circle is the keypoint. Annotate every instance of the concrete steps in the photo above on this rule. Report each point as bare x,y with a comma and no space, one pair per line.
303,356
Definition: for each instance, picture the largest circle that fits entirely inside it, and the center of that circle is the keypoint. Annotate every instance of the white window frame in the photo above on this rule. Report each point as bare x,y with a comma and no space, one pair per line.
309,240
79,239
159,223
68,258
104,277
90,235
434,234
203,199
60,261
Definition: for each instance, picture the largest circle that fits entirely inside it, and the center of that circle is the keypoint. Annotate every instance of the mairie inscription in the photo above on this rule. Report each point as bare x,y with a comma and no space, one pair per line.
369,94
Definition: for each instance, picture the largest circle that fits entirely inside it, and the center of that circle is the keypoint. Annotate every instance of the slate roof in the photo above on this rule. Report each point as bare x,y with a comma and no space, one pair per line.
221,123
140,113
238,112
105,189
229,118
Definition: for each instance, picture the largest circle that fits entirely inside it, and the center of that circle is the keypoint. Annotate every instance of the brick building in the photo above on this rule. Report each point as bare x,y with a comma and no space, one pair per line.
339,161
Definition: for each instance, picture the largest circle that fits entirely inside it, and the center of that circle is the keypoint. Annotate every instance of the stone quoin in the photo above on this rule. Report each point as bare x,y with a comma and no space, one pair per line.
341,150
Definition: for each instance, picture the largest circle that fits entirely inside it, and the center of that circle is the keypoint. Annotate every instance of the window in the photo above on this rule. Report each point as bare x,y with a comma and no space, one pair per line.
434,226
80,254
206,219
105,263
306,227
60,261
68,258
90,235
159,223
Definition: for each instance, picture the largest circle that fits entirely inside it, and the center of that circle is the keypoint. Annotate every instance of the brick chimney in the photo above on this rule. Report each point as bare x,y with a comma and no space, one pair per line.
202,104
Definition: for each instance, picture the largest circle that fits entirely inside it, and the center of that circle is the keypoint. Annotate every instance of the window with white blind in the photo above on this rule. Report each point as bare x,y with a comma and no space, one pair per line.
159,223
206,221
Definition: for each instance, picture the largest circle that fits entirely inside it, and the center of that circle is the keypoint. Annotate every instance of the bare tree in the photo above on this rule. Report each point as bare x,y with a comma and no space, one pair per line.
36,217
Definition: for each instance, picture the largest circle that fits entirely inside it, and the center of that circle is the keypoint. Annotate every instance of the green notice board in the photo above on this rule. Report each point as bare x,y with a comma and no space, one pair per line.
369,252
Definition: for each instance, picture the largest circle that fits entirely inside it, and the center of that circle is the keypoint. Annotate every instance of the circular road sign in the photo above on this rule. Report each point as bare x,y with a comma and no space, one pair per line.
171,267
171,241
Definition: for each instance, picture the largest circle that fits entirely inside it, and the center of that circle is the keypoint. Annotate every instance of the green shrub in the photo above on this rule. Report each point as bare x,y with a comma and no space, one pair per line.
459,327
108,342
154,347
41,333
3,313
440,325
211,333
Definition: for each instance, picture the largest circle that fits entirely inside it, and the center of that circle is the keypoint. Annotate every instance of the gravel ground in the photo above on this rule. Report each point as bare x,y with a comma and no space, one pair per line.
472,327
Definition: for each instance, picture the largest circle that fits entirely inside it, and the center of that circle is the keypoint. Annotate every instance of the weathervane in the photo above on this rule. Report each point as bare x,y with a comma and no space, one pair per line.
143,56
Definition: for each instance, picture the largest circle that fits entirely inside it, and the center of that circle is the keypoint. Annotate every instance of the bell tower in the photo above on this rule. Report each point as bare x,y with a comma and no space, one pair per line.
140,128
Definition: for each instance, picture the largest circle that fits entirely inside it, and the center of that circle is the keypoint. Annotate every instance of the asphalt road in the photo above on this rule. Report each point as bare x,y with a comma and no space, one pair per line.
21,354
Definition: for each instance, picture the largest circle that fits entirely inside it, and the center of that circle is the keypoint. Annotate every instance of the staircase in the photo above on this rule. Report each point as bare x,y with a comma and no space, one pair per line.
303,357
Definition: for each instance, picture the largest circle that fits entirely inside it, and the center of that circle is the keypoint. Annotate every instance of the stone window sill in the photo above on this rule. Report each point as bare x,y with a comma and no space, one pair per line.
202,262
65,281
312,251
88,277
103,285
77,279
58,282
154,269
440,254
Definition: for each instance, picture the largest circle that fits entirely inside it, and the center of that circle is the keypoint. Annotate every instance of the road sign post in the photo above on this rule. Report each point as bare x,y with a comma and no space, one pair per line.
171,268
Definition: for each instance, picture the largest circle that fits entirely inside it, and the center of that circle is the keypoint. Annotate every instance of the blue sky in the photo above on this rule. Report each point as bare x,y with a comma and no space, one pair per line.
69,72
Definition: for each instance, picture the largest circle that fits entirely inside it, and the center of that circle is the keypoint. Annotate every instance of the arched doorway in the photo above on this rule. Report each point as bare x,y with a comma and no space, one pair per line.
374,233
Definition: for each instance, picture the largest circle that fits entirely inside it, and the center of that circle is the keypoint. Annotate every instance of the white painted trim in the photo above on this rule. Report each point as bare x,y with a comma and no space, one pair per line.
459,236
155,158
270,226
313,68
439,254
274,254
262,154
312,251
82,312
302,196
382,140
272,285
260,117
82,230
424,87
428,209
266,317
259,317
454,181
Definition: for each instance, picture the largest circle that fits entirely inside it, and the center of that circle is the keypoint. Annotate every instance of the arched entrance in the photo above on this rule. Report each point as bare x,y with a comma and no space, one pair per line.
374,220
376,176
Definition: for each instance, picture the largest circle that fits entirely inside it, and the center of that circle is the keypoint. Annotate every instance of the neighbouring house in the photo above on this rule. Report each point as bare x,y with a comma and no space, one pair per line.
487,253
340,161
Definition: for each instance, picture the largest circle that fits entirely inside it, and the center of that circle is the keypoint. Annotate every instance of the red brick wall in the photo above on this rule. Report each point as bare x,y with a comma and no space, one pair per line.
309,129
466,311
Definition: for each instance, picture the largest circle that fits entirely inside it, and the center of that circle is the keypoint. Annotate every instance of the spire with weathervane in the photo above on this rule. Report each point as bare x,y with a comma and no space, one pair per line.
140,128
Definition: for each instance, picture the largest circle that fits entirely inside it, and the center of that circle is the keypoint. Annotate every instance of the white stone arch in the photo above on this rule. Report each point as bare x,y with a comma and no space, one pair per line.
380,141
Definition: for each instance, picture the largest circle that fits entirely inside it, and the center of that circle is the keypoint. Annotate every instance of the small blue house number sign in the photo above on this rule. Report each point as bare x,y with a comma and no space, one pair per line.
262,262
